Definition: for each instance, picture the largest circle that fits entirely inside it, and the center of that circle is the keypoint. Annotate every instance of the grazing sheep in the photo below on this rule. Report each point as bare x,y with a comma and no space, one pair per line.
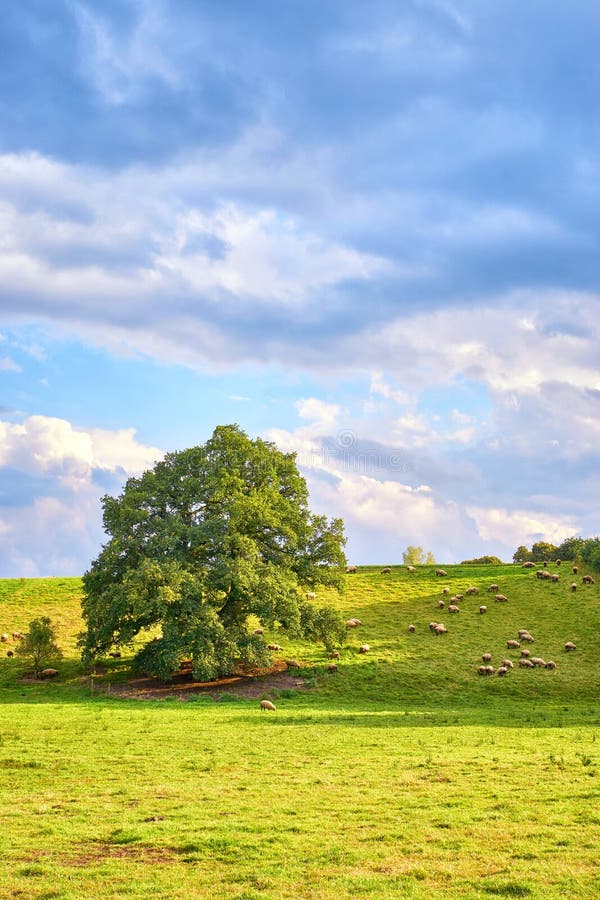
332,667
459,597
4,637
10,652
485,670
538,662
259,631
48,673
550,664
575,570
266,704
446,591
432,626
412,629
440,572
512,645
555,577
116,654
410,569
471,590
386,571
541,574
453,608
335,654
482,609
486,657
502,670
573,585
524,635
274,647
440,628
350,570
493,588
310,595
441,604
500,598
528,565
364,648
508,663
587,579
558,562
570,646
526,664
293,664
545,563
353,623
17,636
525,654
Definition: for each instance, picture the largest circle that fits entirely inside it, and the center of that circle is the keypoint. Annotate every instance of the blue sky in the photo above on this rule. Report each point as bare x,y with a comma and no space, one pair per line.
368,232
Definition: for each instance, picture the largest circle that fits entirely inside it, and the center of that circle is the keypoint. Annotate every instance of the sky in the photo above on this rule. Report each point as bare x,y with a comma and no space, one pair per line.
367,232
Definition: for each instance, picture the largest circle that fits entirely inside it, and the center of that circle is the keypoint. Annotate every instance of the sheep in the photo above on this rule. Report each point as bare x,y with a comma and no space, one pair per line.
441,604
17,636
4,637
525,654
274,647
351,570
116,654
10,652
538,662
482,609
471,590
353,623
502,670
508,663
500,598
266,704
558,562
493,589
440,628
486,657
550,664
48,673
335,654
440,572
575,570
526,664
459,597
310,595
587,579
293,664
570,646
259,631
386,571
525,636
555,577
541,574
528,565
412,629
446,591
573,585
364,648
332,667
432,626
453,608
410,569
545,563
512,645
485,670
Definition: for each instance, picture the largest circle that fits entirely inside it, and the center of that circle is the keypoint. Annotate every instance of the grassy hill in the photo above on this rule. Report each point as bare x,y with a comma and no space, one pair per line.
404,774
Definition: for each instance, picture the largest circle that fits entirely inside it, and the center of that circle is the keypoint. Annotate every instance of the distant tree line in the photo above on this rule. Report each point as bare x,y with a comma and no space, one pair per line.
585,549
483,561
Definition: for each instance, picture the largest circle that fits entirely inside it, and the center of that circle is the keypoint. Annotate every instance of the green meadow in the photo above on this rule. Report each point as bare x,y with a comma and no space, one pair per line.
404,774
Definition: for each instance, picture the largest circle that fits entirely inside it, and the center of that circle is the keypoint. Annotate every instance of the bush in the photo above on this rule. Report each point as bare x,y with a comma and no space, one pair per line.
483,561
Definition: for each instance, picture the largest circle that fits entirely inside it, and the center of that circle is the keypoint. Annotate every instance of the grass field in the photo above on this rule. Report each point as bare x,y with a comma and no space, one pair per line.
403,775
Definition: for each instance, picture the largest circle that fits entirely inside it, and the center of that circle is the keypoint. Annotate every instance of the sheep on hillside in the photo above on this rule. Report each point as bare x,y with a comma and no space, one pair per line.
550,664
48,673
528,565
570,646
526,664
482,609
266,704
525,654
555,577
538,662
274,647
412,629
512,645
332,667
364,648
486,657
573,585
471,590
335,654
293,664
311,595
575,570
446,591
353,623
500,598
502,670
558,562
4,637
350,570
453,608
441,604
485,670
439,628
493,588
17,635
508,663
587,579
440,572
410,569
386,571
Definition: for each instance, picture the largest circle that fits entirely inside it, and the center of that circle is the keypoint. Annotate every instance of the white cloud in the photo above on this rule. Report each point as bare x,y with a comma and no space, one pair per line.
9,365
512,528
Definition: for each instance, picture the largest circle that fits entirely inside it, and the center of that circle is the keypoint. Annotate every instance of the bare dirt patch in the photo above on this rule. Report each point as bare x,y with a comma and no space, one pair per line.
246,683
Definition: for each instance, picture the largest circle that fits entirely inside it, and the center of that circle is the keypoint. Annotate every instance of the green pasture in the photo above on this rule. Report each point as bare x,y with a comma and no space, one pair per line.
404,774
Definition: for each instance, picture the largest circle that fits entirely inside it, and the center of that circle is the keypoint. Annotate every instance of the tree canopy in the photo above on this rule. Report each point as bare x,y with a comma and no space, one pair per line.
39,644
206,539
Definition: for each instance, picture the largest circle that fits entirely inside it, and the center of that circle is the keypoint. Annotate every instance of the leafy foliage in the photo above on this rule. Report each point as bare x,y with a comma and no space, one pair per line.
39,644
415,556
205,539
482,561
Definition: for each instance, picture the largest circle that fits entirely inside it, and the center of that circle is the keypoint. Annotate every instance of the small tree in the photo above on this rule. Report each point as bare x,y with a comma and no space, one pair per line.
521,554
543,550
430,561
413,556
39,644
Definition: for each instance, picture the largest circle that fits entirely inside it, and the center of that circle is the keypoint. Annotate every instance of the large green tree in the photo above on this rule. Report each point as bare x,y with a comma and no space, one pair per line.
208,538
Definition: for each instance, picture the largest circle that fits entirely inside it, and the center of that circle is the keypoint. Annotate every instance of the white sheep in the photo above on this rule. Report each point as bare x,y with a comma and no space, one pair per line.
440,628
440,572
258,631
502,670
364,648
486,657
453,608
4,637
293,664
471,590
573,585
410,569
493,588
550,664
570,646
575,570
386,570
538,662
508,663
525,654
512,645
274,647
587,579
266,704
48,673
310,595
17,636
500,598
482,609
526,664
446,591
350,570
335,654
441,604
412,629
